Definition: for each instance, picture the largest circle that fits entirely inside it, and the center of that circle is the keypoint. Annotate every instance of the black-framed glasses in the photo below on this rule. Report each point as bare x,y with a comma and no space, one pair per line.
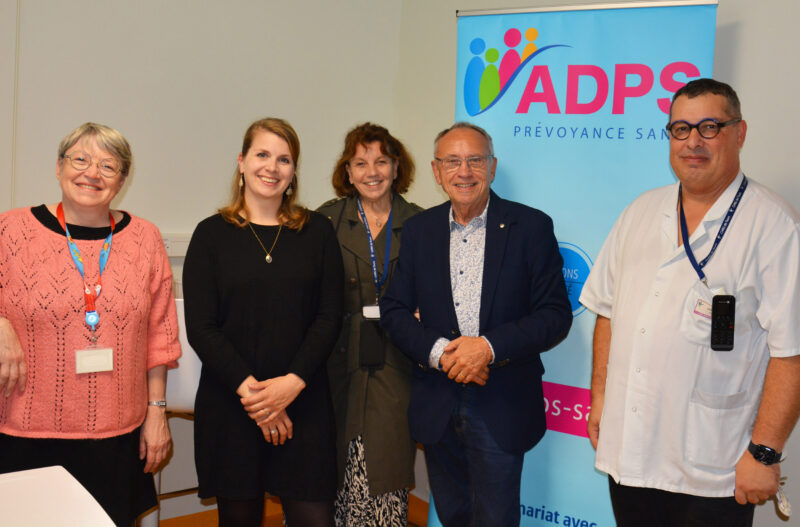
707,128
451,164
108,168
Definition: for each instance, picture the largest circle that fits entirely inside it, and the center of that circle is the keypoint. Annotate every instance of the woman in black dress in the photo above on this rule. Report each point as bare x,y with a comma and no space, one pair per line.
263,293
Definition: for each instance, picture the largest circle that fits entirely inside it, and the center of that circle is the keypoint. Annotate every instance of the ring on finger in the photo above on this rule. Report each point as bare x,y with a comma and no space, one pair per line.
273,431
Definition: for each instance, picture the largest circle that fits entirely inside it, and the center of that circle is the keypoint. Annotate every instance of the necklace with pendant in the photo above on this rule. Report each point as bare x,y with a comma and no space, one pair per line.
268,257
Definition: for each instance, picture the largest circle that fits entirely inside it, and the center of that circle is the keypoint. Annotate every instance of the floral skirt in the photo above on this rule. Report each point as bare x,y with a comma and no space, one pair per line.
355,507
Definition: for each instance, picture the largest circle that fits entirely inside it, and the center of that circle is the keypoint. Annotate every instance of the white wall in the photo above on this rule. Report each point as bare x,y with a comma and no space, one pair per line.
182,80
8,36
754,52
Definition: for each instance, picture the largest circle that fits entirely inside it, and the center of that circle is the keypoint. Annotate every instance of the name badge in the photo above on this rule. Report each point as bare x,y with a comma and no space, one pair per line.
371,312
94,360
703,308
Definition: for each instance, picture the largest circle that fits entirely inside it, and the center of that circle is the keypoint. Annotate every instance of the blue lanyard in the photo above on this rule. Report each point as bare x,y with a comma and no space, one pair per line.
722,228
89,294
373,260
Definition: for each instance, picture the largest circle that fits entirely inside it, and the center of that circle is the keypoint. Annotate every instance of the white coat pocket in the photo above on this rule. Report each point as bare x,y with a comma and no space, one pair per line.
716,428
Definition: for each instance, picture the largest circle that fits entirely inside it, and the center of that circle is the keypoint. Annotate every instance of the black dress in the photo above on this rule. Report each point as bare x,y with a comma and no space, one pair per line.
245,316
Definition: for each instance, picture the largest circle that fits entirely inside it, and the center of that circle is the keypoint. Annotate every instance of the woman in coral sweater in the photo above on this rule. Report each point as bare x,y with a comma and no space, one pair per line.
87,331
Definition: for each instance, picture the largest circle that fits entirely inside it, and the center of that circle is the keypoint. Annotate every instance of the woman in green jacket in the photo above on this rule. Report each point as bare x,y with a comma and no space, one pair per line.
370,378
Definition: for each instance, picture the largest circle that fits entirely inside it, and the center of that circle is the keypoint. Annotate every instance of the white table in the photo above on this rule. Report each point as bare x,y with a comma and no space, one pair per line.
48,497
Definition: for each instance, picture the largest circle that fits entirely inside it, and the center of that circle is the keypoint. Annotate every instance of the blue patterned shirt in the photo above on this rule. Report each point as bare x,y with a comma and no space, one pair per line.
467,247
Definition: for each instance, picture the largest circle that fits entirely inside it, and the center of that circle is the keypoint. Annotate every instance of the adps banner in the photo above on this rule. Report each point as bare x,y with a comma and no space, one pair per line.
577,102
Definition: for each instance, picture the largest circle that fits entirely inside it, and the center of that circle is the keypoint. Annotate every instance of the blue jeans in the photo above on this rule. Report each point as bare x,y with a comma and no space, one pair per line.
473,480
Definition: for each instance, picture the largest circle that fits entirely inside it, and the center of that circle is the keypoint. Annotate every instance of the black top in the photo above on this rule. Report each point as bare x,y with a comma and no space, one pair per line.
245,316
46,218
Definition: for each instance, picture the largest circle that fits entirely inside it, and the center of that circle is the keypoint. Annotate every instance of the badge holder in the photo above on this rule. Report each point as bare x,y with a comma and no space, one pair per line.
371,343
93,359
723,306
372,312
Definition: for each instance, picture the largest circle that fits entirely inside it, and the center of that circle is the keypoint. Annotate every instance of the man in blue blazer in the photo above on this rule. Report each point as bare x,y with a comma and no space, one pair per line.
486,278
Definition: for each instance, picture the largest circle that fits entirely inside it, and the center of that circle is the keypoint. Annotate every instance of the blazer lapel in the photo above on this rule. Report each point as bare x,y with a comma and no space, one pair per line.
497,229
401,210
355,240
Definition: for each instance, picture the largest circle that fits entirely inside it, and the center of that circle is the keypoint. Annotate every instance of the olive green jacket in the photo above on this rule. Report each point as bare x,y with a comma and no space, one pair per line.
371,404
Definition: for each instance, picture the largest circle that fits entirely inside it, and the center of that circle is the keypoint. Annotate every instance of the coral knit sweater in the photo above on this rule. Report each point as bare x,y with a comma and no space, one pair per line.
41,293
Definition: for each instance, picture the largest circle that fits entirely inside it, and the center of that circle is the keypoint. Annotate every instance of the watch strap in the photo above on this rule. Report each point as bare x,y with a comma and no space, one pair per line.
764,454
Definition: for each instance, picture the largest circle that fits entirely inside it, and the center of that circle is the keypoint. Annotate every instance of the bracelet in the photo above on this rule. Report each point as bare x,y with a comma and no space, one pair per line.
162,403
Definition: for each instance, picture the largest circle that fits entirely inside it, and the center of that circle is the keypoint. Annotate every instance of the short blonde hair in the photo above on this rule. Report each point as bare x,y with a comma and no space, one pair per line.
107,138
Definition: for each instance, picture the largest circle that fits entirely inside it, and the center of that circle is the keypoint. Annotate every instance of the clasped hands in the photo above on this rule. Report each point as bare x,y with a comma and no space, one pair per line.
266,401
466,360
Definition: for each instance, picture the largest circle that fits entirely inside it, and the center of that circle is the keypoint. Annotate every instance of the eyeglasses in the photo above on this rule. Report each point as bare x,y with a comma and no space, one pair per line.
707,128
108,168
451,164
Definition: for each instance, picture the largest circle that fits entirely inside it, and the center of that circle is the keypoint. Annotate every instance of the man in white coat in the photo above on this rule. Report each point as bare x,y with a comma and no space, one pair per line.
696,369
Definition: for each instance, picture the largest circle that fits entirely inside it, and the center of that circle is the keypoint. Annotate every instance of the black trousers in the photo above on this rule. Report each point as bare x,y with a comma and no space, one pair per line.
638,507
110,469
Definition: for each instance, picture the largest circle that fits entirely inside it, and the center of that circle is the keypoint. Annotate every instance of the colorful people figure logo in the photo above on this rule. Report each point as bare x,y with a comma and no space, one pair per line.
511,60
472,79
490,79
530,47
485,83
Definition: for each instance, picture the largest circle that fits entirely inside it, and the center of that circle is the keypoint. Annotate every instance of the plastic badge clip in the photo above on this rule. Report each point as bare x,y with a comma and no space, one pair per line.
92,319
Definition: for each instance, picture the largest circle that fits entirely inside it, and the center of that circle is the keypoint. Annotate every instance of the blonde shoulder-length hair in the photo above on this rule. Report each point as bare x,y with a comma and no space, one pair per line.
290,213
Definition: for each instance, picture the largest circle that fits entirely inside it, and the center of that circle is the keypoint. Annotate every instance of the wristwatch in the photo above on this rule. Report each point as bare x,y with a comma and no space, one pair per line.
764,454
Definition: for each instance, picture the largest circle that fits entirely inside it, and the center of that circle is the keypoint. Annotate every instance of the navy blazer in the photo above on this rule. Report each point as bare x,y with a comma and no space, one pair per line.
524,311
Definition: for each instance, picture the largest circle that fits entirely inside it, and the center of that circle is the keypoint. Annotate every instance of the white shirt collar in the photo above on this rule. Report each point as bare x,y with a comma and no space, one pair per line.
480,219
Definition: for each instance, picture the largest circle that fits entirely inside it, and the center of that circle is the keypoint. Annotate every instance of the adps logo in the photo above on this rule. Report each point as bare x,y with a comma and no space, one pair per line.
586,90
577,265
485,84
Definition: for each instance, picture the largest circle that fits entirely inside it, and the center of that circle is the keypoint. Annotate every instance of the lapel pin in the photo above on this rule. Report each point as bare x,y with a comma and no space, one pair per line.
502,225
